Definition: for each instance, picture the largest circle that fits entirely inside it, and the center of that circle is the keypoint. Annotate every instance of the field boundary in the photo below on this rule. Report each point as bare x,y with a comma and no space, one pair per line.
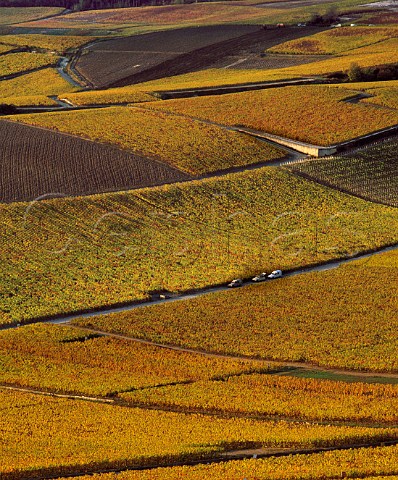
251,451
318,150
187,294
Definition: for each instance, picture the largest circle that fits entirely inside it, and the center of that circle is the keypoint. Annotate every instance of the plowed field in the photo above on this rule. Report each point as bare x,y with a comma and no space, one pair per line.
162,54
35,162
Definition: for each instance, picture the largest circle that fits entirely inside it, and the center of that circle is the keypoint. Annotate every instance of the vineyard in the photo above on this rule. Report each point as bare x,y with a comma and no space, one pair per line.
116,198
277,395
370,464
14,15
370,173
136,54
21,62
194,147
73,361
59,43
6,48
43,83
73,166
131,94
296,328
336,41
306,113
45,435
119,247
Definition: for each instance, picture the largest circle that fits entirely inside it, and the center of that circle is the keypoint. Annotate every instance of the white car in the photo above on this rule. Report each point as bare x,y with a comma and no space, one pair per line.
238,282
275,274
260,278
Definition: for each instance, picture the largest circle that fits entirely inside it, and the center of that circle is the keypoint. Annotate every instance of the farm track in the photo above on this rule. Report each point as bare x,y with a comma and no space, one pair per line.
116,401
277,363
25,72
221,457
117,308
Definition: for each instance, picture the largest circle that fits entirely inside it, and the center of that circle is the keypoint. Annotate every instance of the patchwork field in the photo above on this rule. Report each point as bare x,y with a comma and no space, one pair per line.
370,464
278,396
44,82
192,146
137,199
66,436
59,43
173,52
306,113
67,360
73,166
296,327
64,254
370,173
16,15
21,62
337,40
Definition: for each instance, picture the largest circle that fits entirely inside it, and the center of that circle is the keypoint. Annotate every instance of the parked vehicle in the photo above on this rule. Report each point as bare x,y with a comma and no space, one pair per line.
275,274
238,282
260,277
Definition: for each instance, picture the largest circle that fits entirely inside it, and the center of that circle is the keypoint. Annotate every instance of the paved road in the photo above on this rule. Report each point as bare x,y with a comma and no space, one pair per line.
203,291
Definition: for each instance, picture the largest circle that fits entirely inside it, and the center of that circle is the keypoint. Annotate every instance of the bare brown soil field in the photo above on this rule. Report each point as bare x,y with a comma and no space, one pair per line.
255,61
34,162
110,61
163,54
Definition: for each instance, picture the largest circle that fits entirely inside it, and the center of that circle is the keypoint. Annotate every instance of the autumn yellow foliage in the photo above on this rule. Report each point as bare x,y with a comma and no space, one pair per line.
59,436
284,320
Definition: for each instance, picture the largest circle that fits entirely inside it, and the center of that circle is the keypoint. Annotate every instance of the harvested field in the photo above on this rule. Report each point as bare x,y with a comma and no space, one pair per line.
34,162
370,173
163,54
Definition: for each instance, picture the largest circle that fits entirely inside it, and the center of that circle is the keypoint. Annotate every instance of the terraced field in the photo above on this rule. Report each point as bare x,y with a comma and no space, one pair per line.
73,166
370,173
